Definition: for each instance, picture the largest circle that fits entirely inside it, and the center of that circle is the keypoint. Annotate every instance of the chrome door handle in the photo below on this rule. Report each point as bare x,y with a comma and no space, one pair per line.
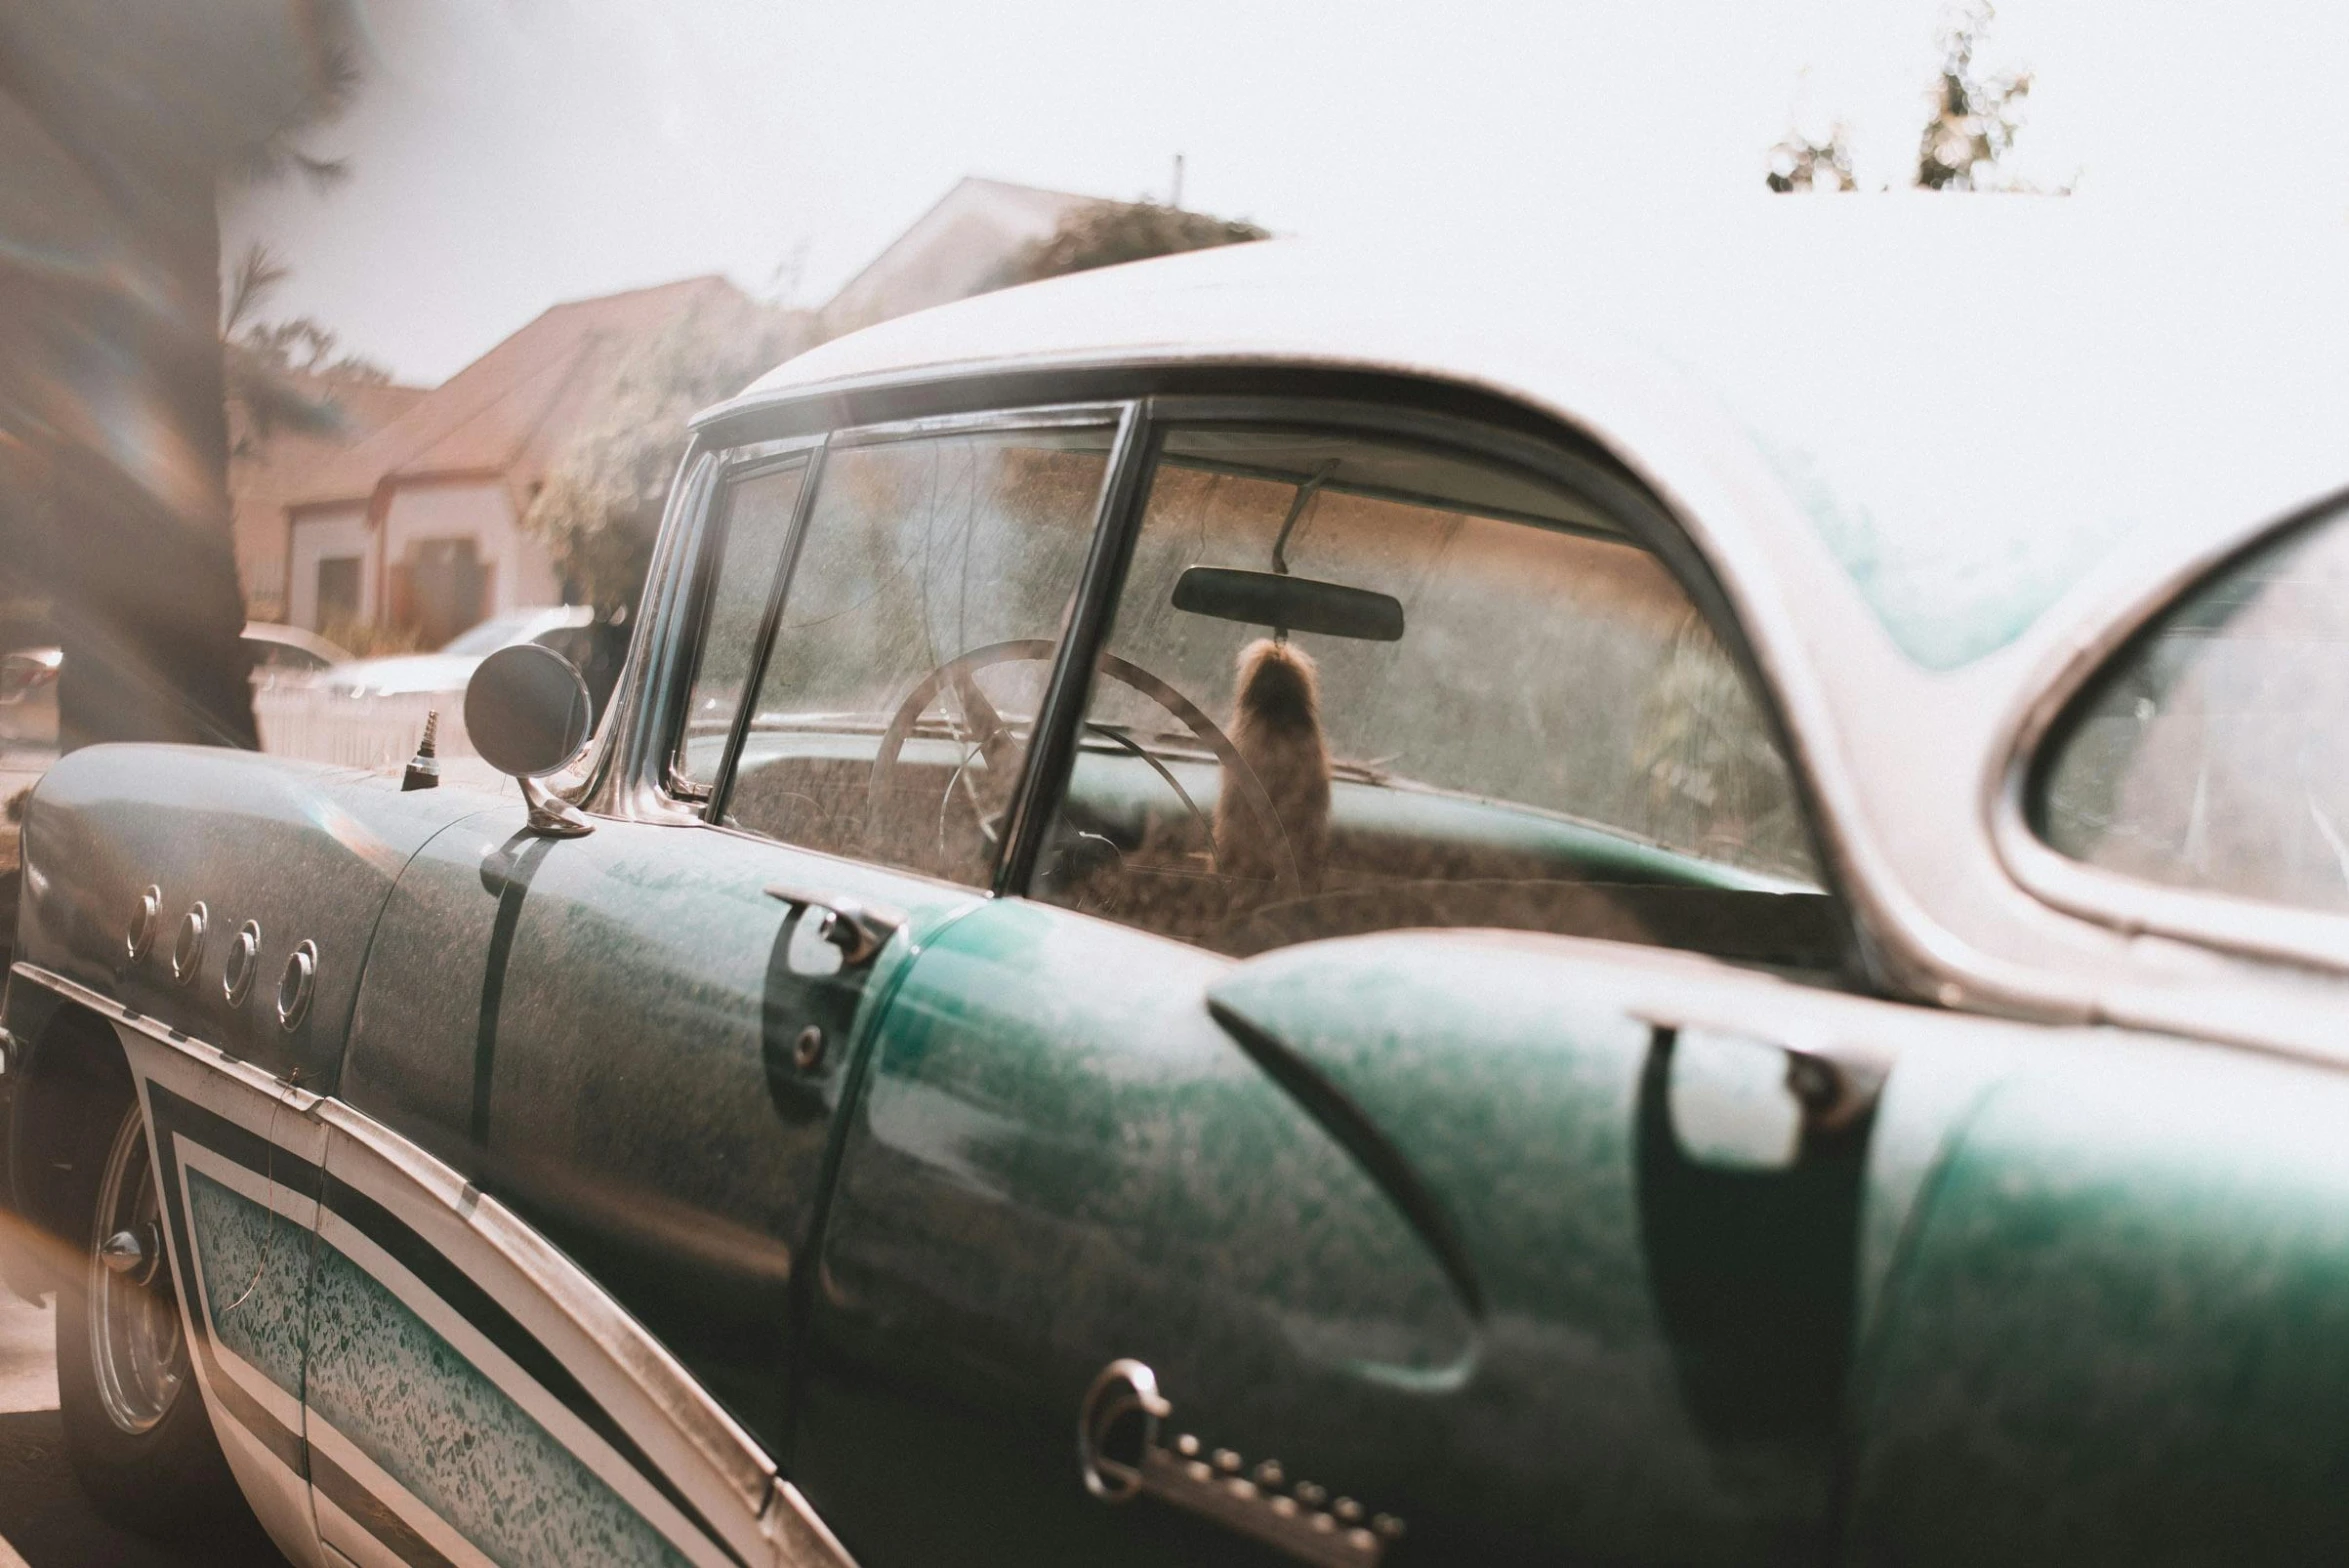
856,926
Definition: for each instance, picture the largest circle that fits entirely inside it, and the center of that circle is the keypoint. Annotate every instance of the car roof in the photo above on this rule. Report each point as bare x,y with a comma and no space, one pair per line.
296,637
1940,451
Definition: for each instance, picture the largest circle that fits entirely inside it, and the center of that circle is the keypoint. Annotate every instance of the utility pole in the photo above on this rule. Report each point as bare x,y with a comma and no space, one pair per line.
1175,199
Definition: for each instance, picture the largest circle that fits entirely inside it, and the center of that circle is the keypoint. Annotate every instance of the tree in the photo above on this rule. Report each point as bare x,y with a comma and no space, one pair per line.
121,121
599,506
1799,164
1970,129
270,368
1974,117
1104,234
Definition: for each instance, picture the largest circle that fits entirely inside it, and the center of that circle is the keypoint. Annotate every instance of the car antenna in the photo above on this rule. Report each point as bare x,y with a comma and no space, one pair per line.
424,767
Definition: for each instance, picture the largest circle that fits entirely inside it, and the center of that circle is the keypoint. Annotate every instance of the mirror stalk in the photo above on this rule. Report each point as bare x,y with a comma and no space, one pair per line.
551,816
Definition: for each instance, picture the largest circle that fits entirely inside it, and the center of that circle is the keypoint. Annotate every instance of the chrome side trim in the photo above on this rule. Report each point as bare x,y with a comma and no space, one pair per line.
294,1098
676,1412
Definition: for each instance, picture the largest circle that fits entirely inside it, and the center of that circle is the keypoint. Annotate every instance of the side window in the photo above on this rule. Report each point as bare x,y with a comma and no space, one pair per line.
1353,685
2210,754
754,524
916,638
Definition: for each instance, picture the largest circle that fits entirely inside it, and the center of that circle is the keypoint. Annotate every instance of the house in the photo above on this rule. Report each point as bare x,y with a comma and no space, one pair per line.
270,471
419,524
956,249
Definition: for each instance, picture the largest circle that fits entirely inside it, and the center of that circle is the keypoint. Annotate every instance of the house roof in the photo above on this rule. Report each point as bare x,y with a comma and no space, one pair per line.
951,251
507,412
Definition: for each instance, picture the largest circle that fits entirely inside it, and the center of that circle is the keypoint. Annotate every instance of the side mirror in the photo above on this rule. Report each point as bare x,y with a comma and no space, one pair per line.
528,714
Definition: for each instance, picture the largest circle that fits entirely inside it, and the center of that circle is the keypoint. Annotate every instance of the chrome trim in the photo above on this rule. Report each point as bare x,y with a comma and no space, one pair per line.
777,1509
551,816
140,934
244,961
622,775
858,927
297,984
187,948
799,1537
1086,413
295,1099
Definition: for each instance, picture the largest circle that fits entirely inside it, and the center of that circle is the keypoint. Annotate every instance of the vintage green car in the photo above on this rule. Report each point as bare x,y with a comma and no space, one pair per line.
1252,909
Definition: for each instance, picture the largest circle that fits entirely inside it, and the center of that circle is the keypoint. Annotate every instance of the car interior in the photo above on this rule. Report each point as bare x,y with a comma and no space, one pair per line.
1350,685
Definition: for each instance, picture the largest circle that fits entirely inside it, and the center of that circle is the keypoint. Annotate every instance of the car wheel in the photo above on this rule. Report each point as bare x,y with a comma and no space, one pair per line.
135,1427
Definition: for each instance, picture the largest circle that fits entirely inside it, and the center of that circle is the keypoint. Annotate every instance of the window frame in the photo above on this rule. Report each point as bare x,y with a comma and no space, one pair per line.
736,469
1118,419
1141,401
2230,922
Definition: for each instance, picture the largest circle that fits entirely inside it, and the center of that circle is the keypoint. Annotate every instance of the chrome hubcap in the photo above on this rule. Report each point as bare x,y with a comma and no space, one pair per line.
141,1356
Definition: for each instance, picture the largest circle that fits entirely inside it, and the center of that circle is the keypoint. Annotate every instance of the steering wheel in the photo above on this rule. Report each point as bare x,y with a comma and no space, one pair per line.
1001,750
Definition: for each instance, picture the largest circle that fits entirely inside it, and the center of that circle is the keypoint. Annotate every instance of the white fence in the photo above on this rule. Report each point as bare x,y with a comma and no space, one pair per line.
356,732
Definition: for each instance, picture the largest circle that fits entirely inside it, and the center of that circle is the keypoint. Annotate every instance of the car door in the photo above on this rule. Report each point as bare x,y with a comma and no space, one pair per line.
1186,1217
624,1049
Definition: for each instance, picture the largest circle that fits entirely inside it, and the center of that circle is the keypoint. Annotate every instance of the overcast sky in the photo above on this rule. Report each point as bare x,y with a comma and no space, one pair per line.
508,154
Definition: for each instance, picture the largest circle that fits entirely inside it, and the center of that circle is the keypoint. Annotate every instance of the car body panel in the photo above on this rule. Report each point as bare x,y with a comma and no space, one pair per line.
1058,1159
600,1031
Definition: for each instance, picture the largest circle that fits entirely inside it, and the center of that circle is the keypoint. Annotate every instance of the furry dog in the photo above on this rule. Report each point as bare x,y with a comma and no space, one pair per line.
1276,728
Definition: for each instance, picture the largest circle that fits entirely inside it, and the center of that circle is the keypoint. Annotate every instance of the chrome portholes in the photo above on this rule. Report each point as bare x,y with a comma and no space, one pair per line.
295,985
145,915
244,957
187,949
137,1348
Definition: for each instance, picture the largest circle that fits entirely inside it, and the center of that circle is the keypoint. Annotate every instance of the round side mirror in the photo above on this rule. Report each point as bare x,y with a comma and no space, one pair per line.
527,711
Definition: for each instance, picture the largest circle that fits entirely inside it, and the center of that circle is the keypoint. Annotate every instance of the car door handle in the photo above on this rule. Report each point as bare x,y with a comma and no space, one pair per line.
858,927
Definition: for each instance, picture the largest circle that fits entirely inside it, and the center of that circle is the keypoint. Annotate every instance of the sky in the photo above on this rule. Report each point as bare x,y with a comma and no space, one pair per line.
510,154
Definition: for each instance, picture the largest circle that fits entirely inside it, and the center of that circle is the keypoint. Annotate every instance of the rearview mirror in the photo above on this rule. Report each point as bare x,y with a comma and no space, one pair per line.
1296,604
527,711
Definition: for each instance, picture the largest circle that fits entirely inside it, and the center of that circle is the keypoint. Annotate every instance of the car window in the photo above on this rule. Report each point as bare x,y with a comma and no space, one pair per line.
1355,684
745,549
916,634
2210,754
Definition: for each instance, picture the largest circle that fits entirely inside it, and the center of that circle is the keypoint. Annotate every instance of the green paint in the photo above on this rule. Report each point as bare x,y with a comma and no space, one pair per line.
1947,595
391,1385
255,1265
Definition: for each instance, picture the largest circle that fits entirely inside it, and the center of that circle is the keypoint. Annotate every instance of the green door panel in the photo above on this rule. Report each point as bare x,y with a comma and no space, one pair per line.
1059,1159
601,1031
2120,1328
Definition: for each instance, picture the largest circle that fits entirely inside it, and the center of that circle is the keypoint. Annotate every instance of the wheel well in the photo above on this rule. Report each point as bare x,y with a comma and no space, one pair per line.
76,1073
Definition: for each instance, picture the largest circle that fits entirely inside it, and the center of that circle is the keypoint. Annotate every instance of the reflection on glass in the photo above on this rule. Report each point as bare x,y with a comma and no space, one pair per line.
1507,714
755,526
916,636
2211,755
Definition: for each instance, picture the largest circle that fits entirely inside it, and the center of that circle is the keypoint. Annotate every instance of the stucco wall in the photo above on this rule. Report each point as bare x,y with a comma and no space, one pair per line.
521,577
341,531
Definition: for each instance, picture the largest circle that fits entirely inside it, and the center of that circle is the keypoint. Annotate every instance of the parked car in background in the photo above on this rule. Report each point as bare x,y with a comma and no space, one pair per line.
446,669
1246,911
281,655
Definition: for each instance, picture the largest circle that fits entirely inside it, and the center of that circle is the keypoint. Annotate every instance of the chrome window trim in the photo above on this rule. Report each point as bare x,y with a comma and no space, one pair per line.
625,776
2269,932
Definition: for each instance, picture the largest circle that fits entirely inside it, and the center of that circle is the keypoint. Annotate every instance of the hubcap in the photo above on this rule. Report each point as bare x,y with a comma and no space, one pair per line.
135,1338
